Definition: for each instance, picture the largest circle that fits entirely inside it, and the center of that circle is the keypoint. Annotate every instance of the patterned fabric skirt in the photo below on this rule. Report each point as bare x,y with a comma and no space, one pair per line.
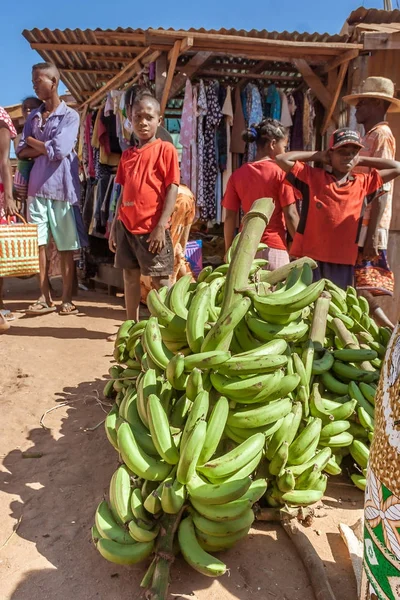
375,275
275,257
382,495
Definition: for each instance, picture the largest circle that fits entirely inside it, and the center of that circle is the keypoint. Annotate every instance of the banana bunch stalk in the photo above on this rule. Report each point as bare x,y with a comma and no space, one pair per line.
245,387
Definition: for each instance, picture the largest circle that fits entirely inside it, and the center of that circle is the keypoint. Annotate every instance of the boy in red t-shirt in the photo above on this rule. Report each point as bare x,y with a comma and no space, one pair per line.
149,174
334,203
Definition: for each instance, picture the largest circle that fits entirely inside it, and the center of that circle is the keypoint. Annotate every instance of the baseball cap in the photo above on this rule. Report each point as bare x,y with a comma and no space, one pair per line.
344,136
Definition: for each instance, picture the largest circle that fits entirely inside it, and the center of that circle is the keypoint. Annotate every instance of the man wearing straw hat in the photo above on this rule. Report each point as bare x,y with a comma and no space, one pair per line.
373,276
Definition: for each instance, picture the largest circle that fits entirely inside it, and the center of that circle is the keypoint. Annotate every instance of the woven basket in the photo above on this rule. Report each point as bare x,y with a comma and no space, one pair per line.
19,251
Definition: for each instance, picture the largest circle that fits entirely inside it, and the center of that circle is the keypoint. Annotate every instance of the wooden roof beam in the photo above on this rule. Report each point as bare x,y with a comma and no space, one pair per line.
186,44
382,41
335,96
90,71
216,73
189,70
315,84
339,60
119,79
170,74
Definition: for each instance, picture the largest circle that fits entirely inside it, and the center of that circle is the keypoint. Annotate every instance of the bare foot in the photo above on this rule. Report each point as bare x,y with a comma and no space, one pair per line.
4,324
112,338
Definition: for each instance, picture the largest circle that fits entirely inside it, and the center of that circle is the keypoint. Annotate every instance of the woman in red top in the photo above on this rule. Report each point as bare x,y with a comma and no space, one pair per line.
260,179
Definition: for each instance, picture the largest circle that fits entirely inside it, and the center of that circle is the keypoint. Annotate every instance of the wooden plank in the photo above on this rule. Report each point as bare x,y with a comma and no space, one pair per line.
89,71
381,28
123,36
118,79
161,74
313,81
339,60
249,41
191,68
99,48
221,73
381,41
186,44
170,75
335,96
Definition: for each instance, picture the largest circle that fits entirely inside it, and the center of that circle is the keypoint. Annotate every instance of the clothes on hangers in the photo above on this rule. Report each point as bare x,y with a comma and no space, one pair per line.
210,167
201,115
254,115
273,103
238,146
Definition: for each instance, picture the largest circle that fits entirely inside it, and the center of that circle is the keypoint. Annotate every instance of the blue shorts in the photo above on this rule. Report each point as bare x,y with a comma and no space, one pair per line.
57,217
341,275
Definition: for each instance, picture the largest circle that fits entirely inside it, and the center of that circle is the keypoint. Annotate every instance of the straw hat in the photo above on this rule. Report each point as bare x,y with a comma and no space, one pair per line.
376,87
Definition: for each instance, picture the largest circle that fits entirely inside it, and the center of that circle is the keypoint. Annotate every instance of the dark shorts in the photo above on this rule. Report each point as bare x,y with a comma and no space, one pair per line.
341,275
133,253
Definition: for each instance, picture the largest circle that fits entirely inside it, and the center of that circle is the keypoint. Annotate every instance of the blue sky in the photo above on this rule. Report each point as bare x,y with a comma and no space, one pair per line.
16,56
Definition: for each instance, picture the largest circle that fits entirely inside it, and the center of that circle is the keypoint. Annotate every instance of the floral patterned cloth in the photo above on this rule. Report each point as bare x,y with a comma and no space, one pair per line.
201,115
374,275
188,137
254,112
382,495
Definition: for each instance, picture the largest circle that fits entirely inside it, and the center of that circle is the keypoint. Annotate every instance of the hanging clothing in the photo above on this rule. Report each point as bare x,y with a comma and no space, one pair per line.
238,146
308,120
273,103
201,113
296,138
286,117
188,135
210,166
254,115
227,111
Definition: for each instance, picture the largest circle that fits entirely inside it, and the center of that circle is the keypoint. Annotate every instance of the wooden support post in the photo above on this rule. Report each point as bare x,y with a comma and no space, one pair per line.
315,83
161,74
186,44
338,60
170,75
118,80
335,95
191,68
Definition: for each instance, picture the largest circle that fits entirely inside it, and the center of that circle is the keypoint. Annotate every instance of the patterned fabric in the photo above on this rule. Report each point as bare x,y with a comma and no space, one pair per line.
5,118
254,115
210,166
273,102
375,275
188,137
201,114
382,494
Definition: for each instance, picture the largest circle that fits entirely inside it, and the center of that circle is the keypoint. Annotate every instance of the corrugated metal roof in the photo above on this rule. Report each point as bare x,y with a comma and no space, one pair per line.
91,57
373,15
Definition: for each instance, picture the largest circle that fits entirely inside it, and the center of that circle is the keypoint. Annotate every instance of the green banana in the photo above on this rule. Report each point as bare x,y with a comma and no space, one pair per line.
193,553
146,384
165,316
215,429
286,481
206,360
233,461
215,287
252,365
287,303
356,394
191,452
223,528
175,372
359,481
152,502
138,510
245,339
124,555
173,497
272,348
222,512
108,527
136,459
256,490
280,436
212,543
334,385
351,373
267,332
220,335
337,441
177,296
239,435
160,431
285,319
317,407
261,415
247,390
360,452
385,335
139,534
334,428
365,419
194,384
198,412
320,460
305,441
215,494
332,467
355,355
204,273
279,460
344,411
302,497
321,484
110,426
339,301
120,495
197,319
154,345
308,479
179,412
368,392
322,364
301,372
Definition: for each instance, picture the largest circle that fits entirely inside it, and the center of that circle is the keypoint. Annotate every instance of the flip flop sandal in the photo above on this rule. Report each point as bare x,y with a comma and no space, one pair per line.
64,312
44,310
7,314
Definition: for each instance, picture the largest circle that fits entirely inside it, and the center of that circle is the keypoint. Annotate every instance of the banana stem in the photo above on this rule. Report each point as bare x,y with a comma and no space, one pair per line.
164,557
319,322
343,334
254,224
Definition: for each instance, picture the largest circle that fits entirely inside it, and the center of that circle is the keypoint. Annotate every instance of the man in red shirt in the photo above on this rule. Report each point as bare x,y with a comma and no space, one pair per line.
333,203
150,178
259,179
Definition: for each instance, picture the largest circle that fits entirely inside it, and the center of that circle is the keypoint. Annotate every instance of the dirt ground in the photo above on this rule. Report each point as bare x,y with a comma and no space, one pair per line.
49,501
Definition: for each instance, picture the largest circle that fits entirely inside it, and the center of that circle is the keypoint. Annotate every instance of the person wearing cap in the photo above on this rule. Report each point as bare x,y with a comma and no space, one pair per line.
373,276
333,202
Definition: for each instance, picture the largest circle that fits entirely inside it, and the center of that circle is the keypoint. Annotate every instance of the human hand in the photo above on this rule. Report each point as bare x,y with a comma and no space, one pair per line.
112,240
371,249
323,156
10,207
157,239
